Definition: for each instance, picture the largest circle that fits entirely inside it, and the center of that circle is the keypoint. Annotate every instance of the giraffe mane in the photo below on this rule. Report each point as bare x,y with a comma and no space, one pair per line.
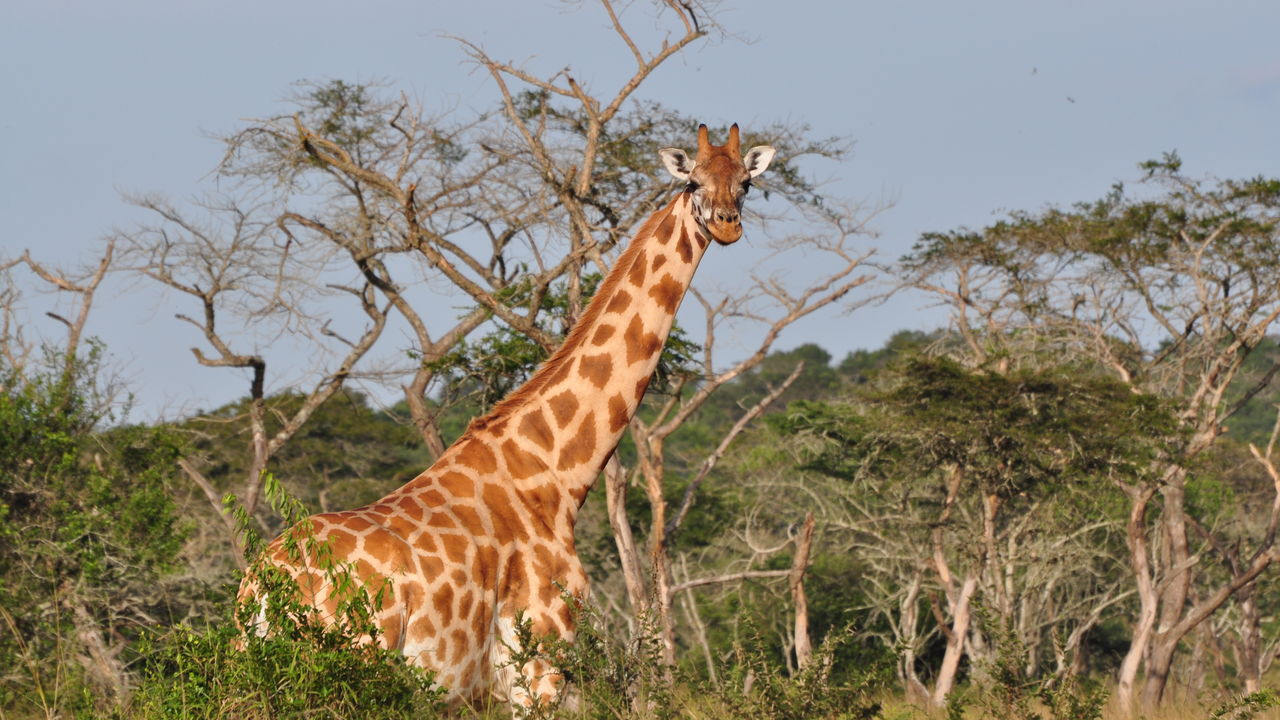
504,408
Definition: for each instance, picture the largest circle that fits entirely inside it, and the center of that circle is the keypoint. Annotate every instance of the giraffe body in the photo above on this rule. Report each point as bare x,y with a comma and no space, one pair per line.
488,530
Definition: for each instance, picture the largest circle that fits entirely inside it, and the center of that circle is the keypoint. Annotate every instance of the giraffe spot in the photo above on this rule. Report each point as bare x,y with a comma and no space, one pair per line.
480,623
544,501
430,566
565,617
658,261
441,520
563,406
507,525
391,626
484,567
596,369
442,601
425,543
476,455
520,463
683,247
460,640
534,426
442,650
401,526
636,274
641,345
412,509
602,335
433,498
618,302
356,523
641,385
619,413
421,628
470,520
581,446
459,577
667,293
457,484
517,581
455,547
464,604
665,228
381,547
309,583
561,372
701,237
341,543
550,568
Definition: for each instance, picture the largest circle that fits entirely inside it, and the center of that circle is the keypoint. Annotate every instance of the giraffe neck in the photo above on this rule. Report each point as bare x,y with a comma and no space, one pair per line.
563,424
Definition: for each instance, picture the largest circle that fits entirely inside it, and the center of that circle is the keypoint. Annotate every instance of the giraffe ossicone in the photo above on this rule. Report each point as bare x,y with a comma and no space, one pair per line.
488,530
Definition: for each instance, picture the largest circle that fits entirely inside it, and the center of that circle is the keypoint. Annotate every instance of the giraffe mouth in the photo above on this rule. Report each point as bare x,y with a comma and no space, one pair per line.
725,233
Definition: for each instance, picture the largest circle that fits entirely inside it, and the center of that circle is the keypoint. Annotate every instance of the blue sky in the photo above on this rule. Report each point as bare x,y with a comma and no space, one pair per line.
957,110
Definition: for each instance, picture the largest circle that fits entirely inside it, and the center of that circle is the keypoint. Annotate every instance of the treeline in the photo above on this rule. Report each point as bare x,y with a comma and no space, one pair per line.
1067,493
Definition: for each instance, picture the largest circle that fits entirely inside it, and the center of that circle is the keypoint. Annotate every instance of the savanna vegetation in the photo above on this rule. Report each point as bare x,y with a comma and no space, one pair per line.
1062,504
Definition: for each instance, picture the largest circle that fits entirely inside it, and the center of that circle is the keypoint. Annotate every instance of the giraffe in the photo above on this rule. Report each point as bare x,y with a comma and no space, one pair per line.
488,530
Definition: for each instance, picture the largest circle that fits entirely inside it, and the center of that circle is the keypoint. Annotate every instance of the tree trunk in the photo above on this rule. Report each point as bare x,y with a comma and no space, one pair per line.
1136,539
804,649
959,630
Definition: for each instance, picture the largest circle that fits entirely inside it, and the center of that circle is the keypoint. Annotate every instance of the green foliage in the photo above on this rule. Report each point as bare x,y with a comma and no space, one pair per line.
1244,707
278,658
809,693
1009,432
87,530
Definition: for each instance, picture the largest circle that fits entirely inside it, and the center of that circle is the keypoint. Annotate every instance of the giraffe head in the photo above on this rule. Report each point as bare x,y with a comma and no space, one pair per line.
719,178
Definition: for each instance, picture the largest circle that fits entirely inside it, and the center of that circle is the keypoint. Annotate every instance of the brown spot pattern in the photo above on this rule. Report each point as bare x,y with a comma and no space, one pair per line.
641,385
442,601
477,456
602,335
520,464
581,446
683,247
534,426
640,344
618,302
507,525
666,293
470,519
455,547
563,406
658,261
668,224
636,274
618,413
560,373
596,369
457,485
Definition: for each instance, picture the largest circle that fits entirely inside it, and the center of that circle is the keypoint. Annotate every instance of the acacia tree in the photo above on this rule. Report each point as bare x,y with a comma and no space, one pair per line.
1172,295
970,473
87,526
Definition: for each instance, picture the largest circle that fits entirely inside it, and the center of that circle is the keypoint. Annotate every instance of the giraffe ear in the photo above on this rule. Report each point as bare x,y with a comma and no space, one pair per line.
758,159
677,162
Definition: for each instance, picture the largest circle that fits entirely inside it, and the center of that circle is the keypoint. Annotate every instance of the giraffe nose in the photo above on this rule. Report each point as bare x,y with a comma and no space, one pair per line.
727,216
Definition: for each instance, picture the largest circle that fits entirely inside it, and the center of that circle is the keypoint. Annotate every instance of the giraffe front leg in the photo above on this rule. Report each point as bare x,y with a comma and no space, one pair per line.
525,674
